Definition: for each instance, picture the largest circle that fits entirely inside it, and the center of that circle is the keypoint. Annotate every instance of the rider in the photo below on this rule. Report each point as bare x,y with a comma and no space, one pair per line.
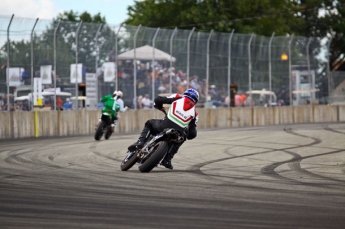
111,106
181,116
119,100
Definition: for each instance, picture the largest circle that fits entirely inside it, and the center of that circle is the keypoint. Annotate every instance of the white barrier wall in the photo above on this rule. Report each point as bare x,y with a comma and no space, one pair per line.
23,124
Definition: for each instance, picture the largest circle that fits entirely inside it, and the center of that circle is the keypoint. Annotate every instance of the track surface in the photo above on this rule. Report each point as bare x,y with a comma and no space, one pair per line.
259,177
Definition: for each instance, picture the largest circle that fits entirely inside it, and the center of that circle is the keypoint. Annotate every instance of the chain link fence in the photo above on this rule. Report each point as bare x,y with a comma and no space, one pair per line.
146,62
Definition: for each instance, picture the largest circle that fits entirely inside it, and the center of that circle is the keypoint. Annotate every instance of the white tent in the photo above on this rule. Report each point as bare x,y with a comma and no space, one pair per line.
146,53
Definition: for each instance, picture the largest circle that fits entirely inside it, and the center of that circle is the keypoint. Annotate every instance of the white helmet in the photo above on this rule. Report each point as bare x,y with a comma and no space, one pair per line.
119,94
114,93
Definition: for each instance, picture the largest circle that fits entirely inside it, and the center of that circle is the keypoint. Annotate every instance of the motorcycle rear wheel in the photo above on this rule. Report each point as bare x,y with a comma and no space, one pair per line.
108,133
127,163
161,148
99,131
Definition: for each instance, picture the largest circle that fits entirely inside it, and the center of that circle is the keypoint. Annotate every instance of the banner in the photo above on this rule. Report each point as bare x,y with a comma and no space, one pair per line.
76,71
14,75
46,74
91,82
109,71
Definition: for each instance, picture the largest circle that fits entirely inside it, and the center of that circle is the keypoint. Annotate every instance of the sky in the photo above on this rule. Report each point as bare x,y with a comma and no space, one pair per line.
114,11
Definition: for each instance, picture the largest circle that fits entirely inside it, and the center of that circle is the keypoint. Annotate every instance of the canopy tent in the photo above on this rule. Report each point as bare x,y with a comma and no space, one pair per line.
146,53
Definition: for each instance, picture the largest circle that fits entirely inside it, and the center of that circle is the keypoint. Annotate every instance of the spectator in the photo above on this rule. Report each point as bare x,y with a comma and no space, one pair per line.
146,102
140,105
67,105
243,98
59,103
137,102
25,77
237,99
264,98
248,101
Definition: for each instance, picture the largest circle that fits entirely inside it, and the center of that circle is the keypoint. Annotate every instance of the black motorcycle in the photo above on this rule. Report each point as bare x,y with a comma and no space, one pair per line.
104,127
153,151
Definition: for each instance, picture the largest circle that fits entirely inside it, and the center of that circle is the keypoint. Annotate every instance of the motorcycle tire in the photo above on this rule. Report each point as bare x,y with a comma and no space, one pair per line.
108,133
99,131
129,161
161,148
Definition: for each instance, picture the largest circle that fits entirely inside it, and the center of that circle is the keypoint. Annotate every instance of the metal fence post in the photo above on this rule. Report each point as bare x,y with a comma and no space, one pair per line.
116,51
8,64
32,65
97,49
250,70
153,61
188,55
208,64
55,71
170,71
270,67
76,65
328,69
135,66
229,66
290,73
96,45
308,63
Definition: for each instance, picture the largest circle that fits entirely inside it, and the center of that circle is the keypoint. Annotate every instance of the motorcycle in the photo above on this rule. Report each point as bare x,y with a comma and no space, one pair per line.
154,150
104,127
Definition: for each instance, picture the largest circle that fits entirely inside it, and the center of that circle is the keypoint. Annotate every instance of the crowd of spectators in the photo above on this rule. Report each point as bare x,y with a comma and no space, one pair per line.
162,79
23,105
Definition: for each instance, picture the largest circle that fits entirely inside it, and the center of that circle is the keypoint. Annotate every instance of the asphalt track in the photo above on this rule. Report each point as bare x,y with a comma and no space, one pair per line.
260,177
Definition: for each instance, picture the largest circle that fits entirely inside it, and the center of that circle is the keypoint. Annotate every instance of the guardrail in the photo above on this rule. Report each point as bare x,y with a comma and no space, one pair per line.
82,122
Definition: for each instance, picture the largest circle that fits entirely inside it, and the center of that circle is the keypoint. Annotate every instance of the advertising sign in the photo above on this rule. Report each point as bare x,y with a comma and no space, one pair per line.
76,71
91,91
46,74
109,71
13,76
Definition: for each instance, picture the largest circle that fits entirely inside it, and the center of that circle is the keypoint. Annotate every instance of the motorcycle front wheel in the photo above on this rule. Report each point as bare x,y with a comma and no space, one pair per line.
99,131
161,148
129,161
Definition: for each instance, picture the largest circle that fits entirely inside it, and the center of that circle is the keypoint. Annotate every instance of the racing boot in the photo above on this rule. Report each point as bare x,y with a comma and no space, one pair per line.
166,162
141,141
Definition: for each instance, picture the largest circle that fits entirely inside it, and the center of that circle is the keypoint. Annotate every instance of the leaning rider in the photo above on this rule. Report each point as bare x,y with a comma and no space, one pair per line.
111,107
181,116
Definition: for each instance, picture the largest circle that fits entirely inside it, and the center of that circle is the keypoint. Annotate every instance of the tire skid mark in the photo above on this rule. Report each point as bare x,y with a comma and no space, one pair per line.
268,170
17,159
294,163
326,127
93,149
297,166
316,140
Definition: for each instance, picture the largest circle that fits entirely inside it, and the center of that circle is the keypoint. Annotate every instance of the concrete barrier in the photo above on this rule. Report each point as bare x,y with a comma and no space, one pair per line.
21,124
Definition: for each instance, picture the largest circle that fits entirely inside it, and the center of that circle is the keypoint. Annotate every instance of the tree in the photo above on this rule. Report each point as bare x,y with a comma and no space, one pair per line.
309,18
245,16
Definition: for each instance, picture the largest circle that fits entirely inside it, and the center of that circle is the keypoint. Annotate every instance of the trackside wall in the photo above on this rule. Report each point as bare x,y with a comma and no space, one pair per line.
82,122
